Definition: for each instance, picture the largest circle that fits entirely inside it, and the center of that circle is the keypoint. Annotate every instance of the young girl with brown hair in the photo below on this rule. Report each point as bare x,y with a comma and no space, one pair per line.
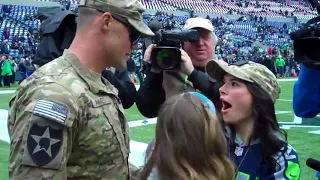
189,142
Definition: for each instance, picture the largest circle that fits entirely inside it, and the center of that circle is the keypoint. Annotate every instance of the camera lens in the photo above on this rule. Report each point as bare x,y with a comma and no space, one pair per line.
166,59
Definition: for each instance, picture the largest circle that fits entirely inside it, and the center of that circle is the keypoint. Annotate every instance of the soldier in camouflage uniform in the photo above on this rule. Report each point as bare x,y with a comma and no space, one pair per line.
66,121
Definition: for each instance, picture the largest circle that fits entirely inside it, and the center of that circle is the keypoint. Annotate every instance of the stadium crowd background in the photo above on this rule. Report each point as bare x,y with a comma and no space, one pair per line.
259,33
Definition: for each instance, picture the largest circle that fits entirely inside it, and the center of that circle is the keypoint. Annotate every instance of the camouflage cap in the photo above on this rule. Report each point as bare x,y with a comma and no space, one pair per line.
247,71
131,10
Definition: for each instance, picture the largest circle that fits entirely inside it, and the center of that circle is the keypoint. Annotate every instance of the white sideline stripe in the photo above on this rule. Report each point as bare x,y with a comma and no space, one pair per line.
291,123
3,126
297,126
283,112
297,119
284,100
6,91
142,122
287,80
137,154
314,132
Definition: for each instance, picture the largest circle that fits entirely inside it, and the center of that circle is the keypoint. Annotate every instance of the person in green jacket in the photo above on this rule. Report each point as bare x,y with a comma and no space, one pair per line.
6,71
280,63
14,68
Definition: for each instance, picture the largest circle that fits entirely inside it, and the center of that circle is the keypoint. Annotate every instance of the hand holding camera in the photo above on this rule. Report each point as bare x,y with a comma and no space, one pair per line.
186,66
147,53
167,56
147,57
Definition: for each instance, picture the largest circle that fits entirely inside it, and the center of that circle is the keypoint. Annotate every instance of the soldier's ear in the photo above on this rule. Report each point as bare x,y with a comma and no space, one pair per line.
106,20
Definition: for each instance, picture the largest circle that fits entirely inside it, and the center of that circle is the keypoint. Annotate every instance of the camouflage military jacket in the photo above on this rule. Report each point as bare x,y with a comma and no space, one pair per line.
65,122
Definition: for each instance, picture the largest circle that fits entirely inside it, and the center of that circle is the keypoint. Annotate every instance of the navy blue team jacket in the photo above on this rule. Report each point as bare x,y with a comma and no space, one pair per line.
253,167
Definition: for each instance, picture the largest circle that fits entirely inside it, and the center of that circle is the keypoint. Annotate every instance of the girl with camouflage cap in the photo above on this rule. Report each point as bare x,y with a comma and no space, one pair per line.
248,92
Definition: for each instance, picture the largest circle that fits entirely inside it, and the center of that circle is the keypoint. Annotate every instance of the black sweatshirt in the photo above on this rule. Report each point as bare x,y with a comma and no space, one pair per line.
127,91
151,94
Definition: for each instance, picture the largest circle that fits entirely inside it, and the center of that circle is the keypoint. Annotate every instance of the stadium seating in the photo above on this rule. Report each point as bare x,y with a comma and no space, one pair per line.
302,11
156,5
71,1
19,13
18,25
251,9
268,9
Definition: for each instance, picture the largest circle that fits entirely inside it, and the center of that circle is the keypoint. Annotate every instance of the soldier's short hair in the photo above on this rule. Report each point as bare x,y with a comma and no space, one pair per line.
85,16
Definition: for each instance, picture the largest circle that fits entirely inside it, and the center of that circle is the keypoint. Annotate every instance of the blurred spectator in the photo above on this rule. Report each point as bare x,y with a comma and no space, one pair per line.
29,68
6,33
14,68
5,47
280,63
6,71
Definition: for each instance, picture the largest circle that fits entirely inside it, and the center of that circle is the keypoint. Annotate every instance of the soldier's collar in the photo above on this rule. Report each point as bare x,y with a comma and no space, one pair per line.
93,79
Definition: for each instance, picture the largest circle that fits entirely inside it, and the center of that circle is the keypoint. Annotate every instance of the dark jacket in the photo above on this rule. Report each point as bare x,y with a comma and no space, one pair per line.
158,87
5,49
56,32
127,91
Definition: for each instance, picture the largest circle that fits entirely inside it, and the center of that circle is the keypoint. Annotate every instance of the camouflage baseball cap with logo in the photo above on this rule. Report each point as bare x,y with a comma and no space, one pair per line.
131,10
247,71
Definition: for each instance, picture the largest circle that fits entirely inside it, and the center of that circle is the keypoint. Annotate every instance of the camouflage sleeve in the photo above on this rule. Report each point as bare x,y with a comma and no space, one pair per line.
42,125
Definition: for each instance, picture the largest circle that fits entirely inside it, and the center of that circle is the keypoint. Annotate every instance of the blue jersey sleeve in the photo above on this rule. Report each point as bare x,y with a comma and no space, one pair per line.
306,93
288,167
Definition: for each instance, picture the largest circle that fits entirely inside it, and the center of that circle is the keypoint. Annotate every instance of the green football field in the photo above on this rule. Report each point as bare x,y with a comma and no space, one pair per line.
303,135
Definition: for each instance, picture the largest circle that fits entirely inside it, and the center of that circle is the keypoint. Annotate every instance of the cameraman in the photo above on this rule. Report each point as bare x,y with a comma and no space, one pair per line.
306,92
160,85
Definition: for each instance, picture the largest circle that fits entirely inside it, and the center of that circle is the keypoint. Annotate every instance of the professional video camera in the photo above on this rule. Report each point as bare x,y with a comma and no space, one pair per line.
167,55
306,41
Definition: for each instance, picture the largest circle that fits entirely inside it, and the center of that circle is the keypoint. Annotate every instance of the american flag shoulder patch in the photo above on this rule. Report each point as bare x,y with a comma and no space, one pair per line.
51,110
